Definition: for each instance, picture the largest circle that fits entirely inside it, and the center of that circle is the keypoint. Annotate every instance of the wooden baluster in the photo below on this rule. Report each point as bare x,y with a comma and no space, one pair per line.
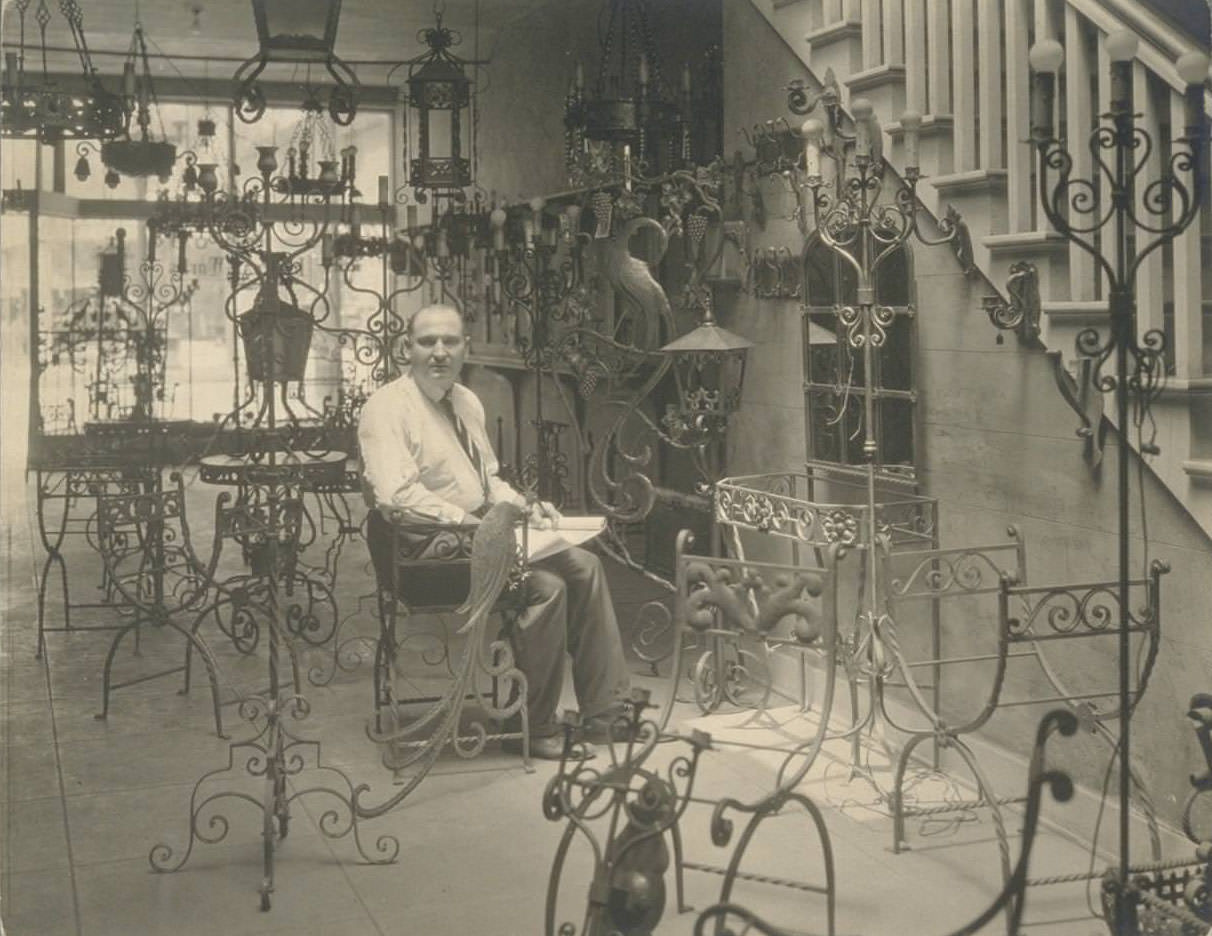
1150,291
964,54
891,16
1188,312
938,75
917,58
872,33
1079,110
1108,237
1019,153
989,93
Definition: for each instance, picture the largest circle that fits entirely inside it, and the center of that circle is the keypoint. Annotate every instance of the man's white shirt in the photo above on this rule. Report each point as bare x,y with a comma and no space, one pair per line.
412,459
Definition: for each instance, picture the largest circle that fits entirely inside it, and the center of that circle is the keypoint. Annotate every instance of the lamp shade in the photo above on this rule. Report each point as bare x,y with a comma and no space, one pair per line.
709,366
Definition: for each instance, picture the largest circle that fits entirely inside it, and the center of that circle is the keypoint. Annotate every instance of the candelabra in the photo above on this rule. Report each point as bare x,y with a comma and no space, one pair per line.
265,259
1119,222
864,232
539,272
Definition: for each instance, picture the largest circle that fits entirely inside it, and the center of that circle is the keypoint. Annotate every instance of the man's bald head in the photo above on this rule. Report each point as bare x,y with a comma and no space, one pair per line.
437,348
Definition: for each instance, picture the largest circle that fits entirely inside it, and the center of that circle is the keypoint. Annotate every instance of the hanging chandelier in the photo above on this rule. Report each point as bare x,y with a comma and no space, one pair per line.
627,121
139,156
310,139
33,106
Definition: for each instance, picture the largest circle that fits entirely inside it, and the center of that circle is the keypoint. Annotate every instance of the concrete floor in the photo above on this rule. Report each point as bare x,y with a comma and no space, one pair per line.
83,801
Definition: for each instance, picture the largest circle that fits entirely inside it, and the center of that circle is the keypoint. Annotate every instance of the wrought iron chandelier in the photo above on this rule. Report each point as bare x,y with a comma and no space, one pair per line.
627,121
38,107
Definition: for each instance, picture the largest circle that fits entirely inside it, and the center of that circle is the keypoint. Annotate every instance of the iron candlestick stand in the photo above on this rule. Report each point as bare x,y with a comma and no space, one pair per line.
265,519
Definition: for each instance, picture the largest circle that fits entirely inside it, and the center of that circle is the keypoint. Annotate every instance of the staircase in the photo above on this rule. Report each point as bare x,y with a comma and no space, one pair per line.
962,64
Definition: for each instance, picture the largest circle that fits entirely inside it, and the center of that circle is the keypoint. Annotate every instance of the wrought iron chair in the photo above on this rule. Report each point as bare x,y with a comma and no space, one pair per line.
150,564
1023,625
425,569
791,606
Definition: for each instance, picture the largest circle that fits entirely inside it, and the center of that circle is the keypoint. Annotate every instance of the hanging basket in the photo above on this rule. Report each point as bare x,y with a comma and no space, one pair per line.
277,339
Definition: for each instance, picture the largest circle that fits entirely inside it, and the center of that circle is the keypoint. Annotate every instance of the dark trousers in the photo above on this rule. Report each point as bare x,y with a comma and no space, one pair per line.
568,610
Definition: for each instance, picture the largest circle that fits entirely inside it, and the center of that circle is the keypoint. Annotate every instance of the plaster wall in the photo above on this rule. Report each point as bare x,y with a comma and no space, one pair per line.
997,448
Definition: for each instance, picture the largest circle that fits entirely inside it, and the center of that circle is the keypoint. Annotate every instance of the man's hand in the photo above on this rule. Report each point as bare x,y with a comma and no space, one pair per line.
544,516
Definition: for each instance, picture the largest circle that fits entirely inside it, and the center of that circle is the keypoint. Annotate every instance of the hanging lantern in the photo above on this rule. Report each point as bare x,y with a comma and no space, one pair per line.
296,31
709,366
440,118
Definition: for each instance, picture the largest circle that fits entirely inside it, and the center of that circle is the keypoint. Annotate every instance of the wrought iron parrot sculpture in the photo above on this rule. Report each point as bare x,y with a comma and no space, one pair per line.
493,554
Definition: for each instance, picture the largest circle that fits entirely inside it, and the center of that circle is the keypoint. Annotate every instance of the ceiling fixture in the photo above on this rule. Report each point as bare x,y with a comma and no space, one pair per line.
440,119
36,107
296,32
626,121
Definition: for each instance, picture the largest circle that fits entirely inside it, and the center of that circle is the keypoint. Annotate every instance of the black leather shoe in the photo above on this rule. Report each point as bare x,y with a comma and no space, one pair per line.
550,747
613,725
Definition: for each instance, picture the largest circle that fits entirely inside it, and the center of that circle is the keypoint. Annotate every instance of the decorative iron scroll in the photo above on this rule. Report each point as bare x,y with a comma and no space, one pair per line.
773,504
627,889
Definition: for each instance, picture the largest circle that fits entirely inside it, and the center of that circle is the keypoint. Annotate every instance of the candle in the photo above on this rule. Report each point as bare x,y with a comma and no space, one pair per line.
443,249
812,131
1045,59
410,215
862,110
383,190
627,166
579,80
326,249
497,219
536,211
686,80
643,70
911,122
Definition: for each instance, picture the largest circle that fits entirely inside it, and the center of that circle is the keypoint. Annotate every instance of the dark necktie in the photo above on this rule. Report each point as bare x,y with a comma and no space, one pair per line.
469,447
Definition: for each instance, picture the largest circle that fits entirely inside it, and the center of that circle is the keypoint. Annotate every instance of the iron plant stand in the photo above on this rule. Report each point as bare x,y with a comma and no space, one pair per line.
270,532
1119,224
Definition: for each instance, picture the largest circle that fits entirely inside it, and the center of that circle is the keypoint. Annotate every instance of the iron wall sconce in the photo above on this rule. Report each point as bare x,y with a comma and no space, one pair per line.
1021,313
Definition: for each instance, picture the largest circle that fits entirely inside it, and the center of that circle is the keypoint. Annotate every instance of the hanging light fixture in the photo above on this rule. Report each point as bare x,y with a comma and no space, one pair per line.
438,137
627,120
139,156
709,367
312,139
35,106
298,31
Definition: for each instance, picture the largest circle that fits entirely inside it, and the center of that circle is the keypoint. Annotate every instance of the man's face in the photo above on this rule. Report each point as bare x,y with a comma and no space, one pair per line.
438,347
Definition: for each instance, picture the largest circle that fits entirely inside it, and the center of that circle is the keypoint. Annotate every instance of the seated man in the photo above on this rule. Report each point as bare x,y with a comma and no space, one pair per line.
426,454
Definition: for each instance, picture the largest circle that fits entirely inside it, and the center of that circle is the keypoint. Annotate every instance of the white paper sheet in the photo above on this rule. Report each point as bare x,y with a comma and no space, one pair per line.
573,531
